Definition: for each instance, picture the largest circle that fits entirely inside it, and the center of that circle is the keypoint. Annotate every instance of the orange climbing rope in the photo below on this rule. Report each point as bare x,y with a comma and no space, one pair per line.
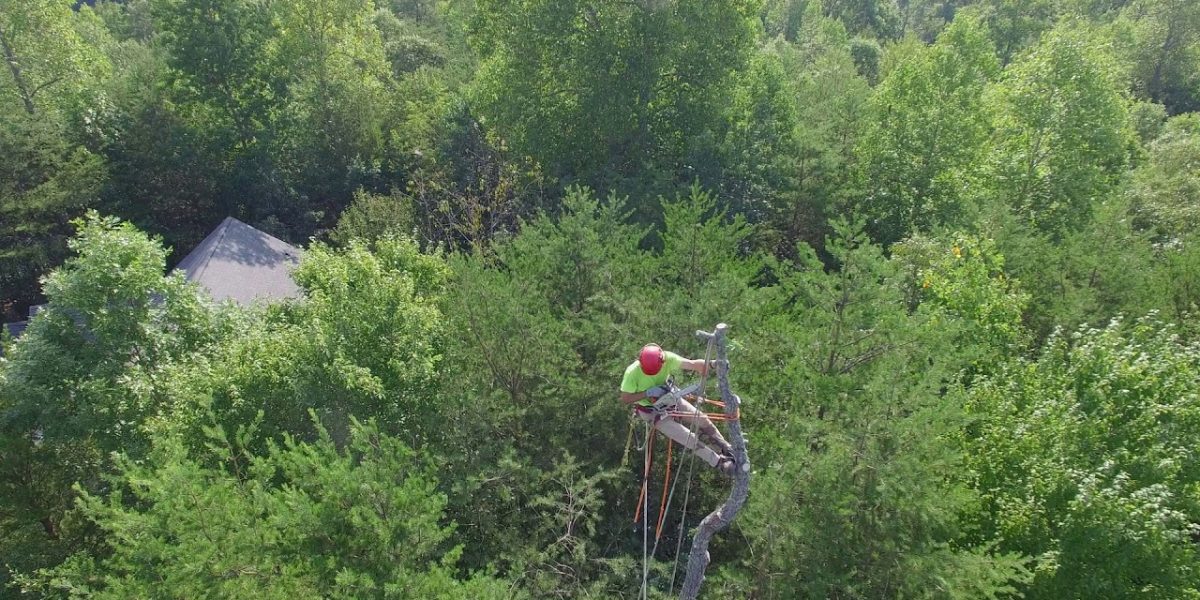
711,416
645,475
670,445
662,504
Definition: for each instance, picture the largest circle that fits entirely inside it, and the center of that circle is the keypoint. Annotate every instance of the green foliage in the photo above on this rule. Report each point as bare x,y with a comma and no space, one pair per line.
1109,268
926,133
224,91
111,314
371,217
466,188
159,177
708,272
1166,190
126,20
85,380
407,50
1017,24
760,147
558,558
332,57
563,282
47,63
217,51
527,338
45,181
852,501
1163,50
925,19
962,279
367,340
783,18
637,81
1083,456
301,519
866,53
1178,275
1062,137
880,18
1147,119
829,100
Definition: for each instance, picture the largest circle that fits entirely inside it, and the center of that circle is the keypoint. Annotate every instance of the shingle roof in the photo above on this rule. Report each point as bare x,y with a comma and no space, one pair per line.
240,262
235,261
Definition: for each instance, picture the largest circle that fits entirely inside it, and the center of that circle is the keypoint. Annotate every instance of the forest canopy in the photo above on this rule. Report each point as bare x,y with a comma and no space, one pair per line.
957,244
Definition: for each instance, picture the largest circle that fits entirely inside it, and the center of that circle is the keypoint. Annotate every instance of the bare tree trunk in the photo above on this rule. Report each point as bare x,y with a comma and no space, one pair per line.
724,514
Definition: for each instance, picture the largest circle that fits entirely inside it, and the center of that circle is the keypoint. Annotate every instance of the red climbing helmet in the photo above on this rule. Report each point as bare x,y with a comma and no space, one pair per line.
651,359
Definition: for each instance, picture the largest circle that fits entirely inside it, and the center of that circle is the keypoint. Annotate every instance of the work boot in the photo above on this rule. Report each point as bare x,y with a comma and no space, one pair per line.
726,466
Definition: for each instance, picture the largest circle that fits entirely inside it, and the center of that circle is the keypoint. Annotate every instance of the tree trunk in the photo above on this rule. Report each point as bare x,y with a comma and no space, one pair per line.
1155,84
50,527
724,514
14,66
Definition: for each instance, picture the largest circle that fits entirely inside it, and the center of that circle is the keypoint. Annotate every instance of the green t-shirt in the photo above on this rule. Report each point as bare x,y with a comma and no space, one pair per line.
636,381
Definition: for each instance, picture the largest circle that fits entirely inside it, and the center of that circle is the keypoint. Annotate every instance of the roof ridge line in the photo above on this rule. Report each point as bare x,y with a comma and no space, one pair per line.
224,227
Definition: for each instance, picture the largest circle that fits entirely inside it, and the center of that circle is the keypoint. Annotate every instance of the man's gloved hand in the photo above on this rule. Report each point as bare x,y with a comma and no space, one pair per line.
666,403
658,391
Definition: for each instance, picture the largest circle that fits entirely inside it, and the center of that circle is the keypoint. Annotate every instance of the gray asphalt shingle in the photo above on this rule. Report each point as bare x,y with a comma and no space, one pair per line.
240,262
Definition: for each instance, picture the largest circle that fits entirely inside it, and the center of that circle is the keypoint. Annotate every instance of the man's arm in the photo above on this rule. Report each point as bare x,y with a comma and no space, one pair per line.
653,393
628,398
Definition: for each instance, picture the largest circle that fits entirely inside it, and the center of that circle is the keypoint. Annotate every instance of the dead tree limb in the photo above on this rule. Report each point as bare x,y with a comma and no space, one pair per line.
724,514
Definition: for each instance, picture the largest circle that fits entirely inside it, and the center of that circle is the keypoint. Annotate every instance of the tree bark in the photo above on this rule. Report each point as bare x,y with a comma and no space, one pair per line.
727,512
50,527
14,66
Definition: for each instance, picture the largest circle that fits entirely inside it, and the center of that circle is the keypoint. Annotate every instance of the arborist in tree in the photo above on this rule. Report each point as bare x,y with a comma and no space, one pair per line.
646,386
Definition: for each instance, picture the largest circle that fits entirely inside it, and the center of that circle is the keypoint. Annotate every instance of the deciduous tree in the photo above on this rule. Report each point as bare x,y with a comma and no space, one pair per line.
1082,455
926,133
1061,137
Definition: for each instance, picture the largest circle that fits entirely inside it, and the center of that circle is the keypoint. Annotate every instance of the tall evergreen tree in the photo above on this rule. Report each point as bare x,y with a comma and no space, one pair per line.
300,519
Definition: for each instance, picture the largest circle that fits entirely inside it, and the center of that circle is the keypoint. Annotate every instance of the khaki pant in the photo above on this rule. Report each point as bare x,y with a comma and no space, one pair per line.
679,428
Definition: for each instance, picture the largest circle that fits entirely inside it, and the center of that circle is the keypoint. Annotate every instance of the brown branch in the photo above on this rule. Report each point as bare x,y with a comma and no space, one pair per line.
43,86
14,66
864,358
